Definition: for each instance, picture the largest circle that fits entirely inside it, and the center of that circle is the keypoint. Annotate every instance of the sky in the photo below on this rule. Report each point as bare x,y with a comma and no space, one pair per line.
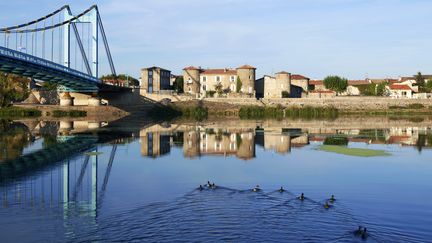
351,38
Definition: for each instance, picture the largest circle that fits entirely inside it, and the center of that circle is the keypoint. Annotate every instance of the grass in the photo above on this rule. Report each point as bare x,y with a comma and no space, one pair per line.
280,112
17,112
72,113
170,112
359,152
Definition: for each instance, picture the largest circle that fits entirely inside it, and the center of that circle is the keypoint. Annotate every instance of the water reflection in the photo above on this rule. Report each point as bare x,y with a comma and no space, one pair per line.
73,176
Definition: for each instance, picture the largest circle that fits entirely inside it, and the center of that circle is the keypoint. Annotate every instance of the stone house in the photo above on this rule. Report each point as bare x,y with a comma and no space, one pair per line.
300,81
199,82
273,87
155,80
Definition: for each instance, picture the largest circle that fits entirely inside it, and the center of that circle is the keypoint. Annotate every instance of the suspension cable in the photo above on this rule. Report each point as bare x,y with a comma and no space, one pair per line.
52,40
8,29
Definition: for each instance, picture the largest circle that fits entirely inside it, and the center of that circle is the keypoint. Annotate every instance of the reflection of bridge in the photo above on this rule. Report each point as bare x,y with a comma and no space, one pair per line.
59,48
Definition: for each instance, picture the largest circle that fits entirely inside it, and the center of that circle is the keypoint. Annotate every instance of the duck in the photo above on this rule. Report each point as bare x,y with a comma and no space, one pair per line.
301,197
213,186
200,188
327,205
256,189
281,189
332,199
364,234
209,184
359,231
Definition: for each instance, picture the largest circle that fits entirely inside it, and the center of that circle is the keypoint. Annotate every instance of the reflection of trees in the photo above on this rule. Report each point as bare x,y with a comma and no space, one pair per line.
423,141
13,139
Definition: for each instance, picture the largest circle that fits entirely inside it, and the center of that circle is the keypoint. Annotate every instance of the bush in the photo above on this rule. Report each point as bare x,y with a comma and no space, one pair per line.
340,141
198,113
416,106
285,94
210,93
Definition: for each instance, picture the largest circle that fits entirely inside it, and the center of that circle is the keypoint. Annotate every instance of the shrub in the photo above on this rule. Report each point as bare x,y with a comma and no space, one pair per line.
416,106
210,93
285,94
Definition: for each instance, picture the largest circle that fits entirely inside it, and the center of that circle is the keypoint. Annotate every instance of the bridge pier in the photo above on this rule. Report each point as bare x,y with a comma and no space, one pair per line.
94,100
66,99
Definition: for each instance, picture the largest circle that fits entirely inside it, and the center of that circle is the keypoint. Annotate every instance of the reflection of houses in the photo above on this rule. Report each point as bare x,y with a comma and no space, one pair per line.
281,141
155,144
241,145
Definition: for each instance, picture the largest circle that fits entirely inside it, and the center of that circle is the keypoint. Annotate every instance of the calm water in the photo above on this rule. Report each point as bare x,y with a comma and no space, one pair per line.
124,182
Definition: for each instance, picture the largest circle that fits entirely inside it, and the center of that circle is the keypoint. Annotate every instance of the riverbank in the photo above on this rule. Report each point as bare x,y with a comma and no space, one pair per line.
55,113
312,108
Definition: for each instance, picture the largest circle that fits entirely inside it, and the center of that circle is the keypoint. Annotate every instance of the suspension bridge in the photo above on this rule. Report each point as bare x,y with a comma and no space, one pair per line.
60,48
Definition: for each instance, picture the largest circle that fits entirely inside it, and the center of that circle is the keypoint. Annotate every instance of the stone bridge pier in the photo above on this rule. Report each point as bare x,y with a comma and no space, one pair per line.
71,99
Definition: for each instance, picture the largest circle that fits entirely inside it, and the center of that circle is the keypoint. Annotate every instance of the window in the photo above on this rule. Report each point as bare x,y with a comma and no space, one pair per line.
204,87
250,77
150,72
218,78
204,78
232,78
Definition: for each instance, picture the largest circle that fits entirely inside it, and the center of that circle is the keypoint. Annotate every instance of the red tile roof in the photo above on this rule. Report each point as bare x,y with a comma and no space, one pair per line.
191,68
282,72
400,87
357,82
219,71
316,82
298,76
246,67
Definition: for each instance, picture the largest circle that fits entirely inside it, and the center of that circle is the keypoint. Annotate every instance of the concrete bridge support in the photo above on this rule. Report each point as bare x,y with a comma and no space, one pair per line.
94,100
66,99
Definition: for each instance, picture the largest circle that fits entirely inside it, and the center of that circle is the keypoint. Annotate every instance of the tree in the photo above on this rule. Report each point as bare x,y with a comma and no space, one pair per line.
13,88
336,83
121,77
178,84
238,85
420,80
218,88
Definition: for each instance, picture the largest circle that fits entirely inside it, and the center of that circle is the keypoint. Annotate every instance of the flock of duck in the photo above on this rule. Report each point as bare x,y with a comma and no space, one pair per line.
360,232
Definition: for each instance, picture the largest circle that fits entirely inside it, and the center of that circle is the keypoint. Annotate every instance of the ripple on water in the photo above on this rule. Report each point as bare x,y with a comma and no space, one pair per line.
225,214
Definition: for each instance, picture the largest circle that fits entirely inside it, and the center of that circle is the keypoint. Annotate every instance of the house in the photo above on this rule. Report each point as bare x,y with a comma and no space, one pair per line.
200,82
300,81
400,91
155,80
279,86
316,85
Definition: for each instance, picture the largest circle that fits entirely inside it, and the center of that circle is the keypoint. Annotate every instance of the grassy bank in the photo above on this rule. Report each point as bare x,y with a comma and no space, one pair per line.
16,112
279,112
360,152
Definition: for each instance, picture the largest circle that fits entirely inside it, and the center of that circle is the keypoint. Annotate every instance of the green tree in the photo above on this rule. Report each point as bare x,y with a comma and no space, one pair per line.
178,84
336,83
121,77
238,85
420,81
218,88
13,88
428,86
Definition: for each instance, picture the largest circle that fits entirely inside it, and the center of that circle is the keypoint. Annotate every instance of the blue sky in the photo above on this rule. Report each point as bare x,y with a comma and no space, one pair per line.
352,38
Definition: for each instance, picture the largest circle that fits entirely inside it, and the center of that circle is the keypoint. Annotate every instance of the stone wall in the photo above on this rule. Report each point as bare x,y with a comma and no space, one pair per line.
349,103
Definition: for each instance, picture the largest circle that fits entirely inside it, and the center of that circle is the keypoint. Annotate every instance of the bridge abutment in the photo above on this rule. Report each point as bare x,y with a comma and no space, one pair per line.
66,99
94,100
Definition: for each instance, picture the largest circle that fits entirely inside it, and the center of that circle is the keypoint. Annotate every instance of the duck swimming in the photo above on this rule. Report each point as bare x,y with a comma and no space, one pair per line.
301,197
327,205
200,188
359,231
213,186
209,184
332,199
256,189
281,189
365,234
